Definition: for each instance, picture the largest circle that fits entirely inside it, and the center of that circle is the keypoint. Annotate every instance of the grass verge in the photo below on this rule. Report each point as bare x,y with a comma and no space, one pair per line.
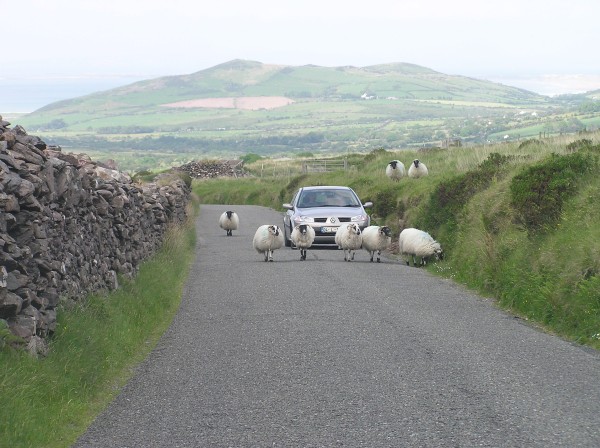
49,402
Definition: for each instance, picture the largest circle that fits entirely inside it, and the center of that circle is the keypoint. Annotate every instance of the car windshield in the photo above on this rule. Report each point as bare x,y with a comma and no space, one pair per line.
327,198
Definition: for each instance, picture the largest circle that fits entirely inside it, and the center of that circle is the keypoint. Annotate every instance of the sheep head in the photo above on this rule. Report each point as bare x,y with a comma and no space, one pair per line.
274,230
353,227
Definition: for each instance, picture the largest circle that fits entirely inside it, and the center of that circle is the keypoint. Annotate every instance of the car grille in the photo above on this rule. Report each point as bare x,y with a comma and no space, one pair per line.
342,219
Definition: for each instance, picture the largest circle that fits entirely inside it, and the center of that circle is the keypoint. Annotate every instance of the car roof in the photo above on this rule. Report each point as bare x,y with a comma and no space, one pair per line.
326,187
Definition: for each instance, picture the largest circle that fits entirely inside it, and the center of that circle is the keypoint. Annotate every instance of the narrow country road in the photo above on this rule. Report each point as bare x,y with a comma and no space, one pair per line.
327,353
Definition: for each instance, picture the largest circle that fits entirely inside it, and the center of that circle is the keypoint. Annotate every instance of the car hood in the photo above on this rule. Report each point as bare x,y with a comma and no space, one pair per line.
330,211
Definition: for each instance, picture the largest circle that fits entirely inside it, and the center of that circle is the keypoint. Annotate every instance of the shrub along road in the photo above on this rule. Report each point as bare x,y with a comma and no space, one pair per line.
324,352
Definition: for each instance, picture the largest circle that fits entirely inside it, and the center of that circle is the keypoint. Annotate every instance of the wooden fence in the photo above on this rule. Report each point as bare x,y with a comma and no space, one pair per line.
322,165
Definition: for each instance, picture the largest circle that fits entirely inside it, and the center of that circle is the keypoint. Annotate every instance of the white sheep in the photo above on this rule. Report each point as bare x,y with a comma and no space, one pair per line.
229,221
376,239
417,169
349,238
395,170
303,236
418,243
267,239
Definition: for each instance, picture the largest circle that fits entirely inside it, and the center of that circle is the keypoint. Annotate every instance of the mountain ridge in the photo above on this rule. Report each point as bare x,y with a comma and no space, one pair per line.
240,77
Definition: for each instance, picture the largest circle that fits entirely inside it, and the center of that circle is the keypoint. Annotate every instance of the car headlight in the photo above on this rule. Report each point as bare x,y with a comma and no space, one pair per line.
359,218
303,219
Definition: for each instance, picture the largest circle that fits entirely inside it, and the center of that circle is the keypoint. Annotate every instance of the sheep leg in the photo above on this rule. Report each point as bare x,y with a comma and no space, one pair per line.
266,255
270,255
372,253
378,257
352,255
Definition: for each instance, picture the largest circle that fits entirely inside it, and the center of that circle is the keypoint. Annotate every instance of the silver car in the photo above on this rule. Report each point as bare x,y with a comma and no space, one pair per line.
324,208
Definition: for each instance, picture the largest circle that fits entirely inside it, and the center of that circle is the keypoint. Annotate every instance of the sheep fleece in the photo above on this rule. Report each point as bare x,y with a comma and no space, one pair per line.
417,242
266,241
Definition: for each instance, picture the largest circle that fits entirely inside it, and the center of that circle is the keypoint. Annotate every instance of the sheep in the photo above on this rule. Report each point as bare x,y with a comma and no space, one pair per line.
349,238
267,239
395,170
229,221
417,169
303,236
418,243
376,239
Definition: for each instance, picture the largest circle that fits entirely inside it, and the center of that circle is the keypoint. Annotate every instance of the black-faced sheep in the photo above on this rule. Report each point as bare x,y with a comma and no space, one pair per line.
267,239
417,243
302,237
349,238
395,170
229,221
417,169
376,239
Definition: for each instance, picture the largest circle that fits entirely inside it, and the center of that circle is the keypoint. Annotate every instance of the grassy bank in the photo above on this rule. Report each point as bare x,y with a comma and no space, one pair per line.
517,220
49,402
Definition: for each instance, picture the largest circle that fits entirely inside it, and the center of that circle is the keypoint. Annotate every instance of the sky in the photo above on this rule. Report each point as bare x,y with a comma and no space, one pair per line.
510,40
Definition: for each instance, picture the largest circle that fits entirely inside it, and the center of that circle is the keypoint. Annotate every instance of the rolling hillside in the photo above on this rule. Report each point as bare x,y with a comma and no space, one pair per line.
242,107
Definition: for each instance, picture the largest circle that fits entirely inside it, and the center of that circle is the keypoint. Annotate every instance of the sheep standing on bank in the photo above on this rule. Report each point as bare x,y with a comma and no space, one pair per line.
395,170
303,236
376,239
417,169
349,238
267,239
229,221
417,243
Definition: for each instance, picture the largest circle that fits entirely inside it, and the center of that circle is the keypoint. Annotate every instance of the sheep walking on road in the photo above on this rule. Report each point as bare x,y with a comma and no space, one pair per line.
303,236
417,169
229,221
267,239
418,243
349,238
376,239
395,170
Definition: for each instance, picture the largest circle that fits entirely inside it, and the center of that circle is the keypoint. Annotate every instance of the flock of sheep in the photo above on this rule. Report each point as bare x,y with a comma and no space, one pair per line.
412,242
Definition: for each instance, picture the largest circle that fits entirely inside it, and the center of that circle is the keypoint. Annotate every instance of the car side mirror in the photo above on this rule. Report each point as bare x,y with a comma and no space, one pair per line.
288,206
368,204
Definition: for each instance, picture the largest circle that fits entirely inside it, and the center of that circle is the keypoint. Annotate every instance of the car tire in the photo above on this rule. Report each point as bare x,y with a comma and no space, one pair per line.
288,241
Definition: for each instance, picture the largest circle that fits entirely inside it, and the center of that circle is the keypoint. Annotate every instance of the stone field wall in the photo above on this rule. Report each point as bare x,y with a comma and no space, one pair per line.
68,227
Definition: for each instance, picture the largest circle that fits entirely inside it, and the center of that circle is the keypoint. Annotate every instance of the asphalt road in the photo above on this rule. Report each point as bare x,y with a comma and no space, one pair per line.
327,353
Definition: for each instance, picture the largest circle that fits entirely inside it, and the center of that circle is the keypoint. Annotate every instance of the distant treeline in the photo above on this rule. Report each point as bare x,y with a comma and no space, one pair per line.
265,145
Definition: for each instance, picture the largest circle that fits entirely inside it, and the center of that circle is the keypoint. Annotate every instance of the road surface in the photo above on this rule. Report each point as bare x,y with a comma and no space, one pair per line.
328,353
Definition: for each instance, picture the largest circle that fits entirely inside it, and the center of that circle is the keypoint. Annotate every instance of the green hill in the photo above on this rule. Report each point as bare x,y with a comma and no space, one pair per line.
242,107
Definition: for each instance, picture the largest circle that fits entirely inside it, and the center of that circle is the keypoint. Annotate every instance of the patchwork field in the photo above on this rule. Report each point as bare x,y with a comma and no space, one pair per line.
245,103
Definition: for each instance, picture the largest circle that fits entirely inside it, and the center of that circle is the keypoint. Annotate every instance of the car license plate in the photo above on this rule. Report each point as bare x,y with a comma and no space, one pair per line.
328,229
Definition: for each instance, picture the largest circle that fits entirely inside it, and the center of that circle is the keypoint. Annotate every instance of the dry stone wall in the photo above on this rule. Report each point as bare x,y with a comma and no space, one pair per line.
202,169
68,227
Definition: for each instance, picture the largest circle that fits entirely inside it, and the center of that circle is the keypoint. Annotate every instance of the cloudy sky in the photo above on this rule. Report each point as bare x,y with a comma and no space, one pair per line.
505,39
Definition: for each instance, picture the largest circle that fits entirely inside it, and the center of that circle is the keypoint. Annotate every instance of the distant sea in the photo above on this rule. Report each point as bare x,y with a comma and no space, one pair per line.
28,95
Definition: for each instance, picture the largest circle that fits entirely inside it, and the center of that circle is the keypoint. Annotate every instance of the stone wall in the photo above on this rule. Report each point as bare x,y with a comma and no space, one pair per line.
68,226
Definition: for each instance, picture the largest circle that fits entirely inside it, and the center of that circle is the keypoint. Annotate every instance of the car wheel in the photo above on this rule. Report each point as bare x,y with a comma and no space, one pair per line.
288,241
